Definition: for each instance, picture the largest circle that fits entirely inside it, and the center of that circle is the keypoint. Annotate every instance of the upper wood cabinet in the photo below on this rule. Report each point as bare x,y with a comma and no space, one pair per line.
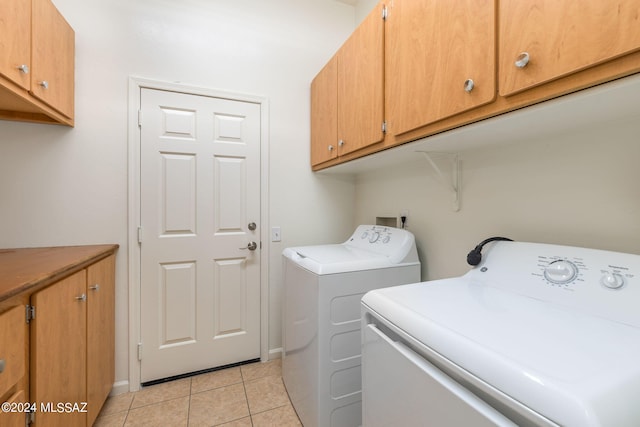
52,54
542,40
37,65
324,113
15,48
361,85
440,57
347,96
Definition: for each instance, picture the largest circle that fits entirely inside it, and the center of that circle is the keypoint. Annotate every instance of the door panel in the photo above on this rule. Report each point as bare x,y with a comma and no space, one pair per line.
200,188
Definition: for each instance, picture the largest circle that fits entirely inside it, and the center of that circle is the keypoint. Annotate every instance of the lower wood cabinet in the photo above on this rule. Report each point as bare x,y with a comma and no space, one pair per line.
100,334
72,341
13,335
59,350
57,334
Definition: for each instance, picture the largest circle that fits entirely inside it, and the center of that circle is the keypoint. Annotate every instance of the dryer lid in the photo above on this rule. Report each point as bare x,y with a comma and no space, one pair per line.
571,367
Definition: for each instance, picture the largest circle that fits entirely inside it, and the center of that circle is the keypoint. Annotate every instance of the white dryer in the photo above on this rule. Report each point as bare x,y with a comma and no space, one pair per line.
323,286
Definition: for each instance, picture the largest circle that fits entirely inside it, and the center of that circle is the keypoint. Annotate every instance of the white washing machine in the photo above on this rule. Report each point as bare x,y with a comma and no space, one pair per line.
323,286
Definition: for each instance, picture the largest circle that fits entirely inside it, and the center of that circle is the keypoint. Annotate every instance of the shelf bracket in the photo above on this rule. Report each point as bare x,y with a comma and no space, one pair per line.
452,184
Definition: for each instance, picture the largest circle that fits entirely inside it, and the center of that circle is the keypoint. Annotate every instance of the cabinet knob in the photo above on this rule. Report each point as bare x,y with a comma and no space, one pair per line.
44,84
95,287
522,60
82,297
2,363
340,143
24,68
468,85
331,147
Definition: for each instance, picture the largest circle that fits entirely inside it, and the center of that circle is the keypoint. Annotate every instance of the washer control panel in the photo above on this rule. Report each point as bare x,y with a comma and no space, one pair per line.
564,272
561,272
377,234
600,282
389,241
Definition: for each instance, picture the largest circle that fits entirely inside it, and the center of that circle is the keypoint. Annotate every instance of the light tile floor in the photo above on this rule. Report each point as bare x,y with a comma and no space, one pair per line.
248,395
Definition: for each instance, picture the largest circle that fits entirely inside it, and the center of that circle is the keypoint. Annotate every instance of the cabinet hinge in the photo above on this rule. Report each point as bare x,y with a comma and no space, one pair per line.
30,313
139,234
139,351
31,417
384,127
139,118
384,13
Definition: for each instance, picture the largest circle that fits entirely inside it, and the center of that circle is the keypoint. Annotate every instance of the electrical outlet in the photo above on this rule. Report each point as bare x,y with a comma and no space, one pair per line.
276,236
404,213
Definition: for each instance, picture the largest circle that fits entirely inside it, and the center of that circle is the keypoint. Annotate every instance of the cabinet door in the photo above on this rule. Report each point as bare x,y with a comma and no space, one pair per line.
324,116
15,41
58,350
12,347
361,85
53,58
14,419
562,37
433,48
100,334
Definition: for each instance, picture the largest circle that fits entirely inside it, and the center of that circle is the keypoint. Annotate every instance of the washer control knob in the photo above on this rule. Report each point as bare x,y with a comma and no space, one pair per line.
364,235
386,239
374,237
561,272
612,280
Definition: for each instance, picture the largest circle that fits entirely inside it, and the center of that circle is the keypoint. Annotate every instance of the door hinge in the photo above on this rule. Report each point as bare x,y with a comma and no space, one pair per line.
31,417
139,118
384,127
385,13
30,313
139,235
139,351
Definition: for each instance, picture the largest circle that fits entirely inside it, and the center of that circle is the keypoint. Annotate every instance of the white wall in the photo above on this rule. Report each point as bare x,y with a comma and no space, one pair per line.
575,188
63,186
363,8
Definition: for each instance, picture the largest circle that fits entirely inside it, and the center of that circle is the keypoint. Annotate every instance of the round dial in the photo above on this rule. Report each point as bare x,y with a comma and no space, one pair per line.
374,237
612,280
561,272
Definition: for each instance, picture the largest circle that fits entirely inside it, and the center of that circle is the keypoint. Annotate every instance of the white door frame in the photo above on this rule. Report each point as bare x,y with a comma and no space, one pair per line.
135,85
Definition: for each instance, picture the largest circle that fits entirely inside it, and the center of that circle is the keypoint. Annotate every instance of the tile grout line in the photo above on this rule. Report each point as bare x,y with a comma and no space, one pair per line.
189,405
246,397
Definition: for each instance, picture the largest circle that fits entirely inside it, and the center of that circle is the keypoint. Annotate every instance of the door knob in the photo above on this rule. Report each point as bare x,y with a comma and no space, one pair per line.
252,246
252,226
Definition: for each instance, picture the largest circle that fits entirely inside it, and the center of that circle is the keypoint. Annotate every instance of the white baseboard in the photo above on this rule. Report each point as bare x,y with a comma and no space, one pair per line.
120,387
275,353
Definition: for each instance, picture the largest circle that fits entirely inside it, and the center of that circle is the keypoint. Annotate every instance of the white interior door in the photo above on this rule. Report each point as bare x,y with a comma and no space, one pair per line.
200,191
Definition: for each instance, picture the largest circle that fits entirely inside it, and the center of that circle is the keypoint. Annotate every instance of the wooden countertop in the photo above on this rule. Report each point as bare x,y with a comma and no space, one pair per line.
25,270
